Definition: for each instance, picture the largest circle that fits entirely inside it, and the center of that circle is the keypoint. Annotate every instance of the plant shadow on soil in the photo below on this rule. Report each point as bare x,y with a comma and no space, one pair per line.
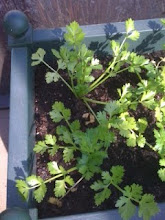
140,165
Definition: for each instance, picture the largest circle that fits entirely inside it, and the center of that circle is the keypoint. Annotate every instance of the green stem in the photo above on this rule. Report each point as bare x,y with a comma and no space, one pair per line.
104,79
149,145
121,190
59,76
75,147
53,178
90,109
95,101
94,84
71,78
68,124
122,44
97,81
141,80
158,65
73,187
47,181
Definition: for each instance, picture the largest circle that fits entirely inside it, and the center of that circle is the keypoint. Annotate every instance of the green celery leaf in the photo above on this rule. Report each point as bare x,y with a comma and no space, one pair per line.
38,56
40,193
52,77
160,141
161,174
61,65
22,188
81,89
125,90
64,53
35,63
134,35
131,141
66,137
158,114
40,147
83,50
75,125
142,125
102,196
162,162
163,21
117,174
106,136
102,118
33,180
61,129
56,53
89,79
88,175
69,180
115,47
112,108
148,99
59,112
52,151
68,154
126,207
124,133
71,65
141,140
53,168
131,123
97,67
83,167
134,191
74,34
97,185
148,95
125,55
106,177
147,207
50,139
56,116
60,188
129,25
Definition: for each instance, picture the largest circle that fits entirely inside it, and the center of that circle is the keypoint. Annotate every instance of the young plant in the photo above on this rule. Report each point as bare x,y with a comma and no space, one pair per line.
61,177
132,195
91,147
79,61
75,58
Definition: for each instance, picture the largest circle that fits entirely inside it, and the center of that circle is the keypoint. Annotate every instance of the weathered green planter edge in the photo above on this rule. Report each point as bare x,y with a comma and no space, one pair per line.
22,129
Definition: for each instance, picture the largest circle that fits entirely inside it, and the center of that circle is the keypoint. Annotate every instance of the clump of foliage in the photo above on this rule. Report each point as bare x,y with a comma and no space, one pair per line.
92,146
131,195
89,148
79,61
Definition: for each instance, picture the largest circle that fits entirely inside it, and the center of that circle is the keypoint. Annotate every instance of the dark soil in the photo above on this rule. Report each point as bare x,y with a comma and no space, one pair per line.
140,165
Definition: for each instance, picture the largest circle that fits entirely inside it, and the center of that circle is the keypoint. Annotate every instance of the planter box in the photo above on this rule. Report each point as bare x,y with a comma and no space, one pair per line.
22,128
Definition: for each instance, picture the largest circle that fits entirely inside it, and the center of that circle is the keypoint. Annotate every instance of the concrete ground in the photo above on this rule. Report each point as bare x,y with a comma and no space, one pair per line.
4,126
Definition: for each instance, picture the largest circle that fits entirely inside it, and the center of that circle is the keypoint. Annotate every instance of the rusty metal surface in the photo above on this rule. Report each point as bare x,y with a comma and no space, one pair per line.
56,13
